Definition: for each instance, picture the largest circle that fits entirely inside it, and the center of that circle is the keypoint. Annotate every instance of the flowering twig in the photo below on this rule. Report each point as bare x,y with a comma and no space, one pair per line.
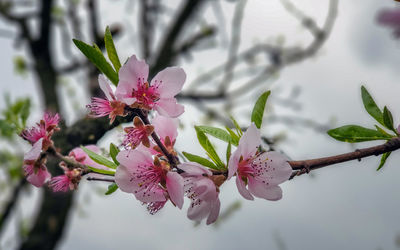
99,179
306,166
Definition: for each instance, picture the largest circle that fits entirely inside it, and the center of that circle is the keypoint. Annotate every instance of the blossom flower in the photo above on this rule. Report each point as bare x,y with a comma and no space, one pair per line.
150,181
34,168
44,129
390,18
111,106
263,172
68,181
135,91
138,134
80,156
200,188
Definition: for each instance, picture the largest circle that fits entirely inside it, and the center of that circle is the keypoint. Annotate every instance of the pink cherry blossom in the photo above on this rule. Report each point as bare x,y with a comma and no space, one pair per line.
110,106
134,89
150,181
44,129
51,121
35,171
390,18
202,191
80,156
68,181
138,134
263,172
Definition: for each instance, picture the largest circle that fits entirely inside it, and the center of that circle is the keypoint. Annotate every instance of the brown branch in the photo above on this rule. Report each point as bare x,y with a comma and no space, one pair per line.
99,179
305,166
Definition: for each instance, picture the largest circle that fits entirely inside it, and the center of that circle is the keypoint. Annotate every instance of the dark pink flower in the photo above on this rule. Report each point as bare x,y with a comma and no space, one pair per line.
44,129
33,134
151,181
50,121
138,134
34,168
68,181
112,107
263,172
202,191
135,91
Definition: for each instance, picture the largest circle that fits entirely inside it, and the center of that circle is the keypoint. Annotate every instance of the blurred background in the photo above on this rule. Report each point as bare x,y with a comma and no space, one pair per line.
313,56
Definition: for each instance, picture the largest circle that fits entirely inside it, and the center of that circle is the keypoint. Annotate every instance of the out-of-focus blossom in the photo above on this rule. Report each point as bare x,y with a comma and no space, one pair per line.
263,172
391,18
135,91
138,134
151,181
202,191
34,165
111,106
80,156
44,129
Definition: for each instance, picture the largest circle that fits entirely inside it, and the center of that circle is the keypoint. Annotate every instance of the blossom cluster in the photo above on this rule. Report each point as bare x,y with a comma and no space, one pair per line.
148,165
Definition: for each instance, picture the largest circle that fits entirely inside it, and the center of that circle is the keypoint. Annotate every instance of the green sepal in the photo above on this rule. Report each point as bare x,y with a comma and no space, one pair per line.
111,188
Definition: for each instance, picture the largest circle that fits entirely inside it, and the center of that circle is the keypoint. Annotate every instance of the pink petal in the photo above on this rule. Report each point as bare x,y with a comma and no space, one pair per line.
259,189
175,188
132,72
242,189
212,217
131,158
193,169
205,189
35,151
199,210
274,168
169,107
83,158
39,178
250,141
169,81
165,126
156,194
123,179
234,163
106,88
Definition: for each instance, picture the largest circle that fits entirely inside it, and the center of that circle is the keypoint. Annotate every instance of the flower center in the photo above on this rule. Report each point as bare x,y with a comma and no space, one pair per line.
145,95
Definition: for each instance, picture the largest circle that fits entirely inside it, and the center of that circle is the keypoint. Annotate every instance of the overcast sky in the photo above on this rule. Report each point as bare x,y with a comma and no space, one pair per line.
349,206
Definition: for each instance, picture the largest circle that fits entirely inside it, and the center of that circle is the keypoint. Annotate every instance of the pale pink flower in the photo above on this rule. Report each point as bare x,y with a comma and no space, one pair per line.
150,181
138,134
80,156
110,106
68,181
136,92
202,191
35,171
390,18
263,172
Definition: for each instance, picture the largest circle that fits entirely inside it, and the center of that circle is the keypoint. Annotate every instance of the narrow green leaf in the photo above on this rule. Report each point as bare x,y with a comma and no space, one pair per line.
111,189
258,110
381,130
97,58
200,160
354,133
388,119
383,160
102,171
99,159
111,51
228,153
114,150
235,138
238,128
216,132
370,106
208,147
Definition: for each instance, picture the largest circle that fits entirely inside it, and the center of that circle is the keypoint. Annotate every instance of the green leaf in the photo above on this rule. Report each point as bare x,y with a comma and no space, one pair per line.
111,51
388,119
200,160
208,147
354,133
216,132
238,128
370,106
228,153
235,138
381,130
95,55
111,189
258,110
99,159
383,160
102,171
114,150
